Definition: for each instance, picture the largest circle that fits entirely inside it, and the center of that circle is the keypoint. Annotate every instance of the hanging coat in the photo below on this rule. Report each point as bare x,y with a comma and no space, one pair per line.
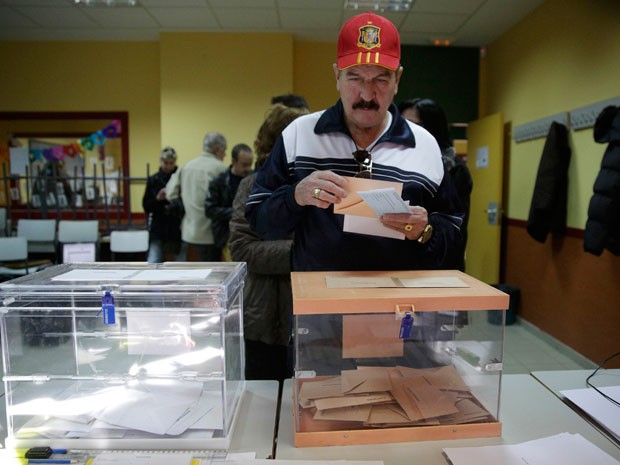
548,207
603,225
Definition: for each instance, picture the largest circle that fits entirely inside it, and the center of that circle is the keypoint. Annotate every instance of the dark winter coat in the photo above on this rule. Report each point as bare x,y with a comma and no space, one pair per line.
549,201
603,225
163,223
267,295
218,205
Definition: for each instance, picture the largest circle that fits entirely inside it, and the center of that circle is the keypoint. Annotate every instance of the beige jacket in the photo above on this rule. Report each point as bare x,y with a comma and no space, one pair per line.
191,183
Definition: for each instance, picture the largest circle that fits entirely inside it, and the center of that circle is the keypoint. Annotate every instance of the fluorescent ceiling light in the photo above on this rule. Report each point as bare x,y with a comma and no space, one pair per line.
378,5
106,2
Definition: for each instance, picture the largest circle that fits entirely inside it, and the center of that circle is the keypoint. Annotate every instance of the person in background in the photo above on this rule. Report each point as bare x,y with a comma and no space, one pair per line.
222,190
163,225
290,100
362,134
190,184
268,306
428,114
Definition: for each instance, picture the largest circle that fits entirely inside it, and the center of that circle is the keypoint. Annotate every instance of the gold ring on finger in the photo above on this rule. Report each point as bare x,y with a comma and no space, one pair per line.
317,192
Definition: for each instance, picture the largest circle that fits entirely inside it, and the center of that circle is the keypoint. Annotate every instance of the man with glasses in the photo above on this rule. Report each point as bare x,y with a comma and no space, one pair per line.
362,135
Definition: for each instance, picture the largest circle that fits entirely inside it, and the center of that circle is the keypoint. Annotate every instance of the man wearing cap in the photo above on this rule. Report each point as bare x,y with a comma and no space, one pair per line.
361,135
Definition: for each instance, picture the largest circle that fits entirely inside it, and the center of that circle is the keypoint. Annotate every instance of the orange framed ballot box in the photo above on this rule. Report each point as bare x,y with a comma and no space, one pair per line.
395,356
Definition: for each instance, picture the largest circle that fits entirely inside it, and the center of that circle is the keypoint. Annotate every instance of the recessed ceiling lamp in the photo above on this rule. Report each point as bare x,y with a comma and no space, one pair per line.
378,5
106,2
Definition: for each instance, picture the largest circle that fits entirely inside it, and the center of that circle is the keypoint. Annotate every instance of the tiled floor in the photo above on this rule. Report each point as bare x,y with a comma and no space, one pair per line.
527,349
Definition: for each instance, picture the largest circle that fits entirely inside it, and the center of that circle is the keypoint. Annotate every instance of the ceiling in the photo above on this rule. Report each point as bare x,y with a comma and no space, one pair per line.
463,22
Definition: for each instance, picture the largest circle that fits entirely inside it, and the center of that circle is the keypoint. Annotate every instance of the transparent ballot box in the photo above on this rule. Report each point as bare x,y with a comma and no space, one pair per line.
123,355
395,356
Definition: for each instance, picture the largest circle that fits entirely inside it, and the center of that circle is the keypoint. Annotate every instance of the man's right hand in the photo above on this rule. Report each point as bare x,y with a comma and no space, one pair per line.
161,195
321,189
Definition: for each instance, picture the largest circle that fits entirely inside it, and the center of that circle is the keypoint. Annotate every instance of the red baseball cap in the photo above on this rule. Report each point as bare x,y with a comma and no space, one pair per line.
368,39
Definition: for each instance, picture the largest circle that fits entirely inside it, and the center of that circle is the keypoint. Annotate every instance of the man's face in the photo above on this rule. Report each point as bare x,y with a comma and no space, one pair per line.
168,165
243,165
366,92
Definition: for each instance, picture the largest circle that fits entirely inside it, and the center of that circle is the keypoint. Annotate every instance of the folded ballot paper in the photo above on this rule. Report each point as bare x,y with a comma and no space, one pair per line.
366,202
563,448
388,397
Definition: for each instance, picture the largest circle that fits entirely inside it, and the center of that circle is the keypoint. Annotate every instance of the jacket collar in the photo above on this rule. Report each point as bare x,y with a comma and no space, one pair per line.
399,132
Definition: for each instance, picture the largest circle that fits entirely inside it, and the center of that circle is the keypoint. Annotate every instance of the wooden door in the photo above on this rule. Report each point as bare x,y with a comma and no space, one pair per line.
485,156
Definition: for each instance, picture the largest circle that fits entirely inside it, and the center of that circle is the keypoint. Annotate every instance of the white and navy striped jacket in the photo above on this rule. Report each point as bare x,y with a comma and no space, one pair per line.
405,153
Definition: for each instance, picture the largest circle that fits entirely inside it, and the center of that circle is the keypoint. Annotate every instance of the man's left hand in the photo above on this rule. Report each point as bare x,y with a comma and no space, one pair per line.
410,224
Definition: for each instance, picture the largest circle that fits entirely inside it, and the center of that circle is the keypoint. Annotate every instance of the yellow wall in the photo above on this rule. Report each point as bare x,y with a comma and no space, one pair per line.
175,90
89,76
313,73
562,56
220,82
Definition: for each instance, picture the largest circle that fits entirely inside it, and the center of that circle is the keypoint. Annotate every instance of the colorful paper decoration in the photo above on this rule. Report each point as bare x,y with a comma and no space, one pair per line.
87,143
80,146
98,138
47,154
58,152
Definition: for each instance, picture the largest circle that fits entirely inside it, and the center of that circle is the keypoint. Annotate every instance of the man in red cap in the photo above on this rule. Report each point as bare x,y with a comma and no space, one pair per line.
362,135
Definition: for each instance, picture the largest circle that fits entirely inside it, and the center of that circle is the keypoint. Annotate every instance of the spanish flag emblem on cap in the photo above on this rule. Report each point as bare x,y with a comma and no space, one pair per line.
368,39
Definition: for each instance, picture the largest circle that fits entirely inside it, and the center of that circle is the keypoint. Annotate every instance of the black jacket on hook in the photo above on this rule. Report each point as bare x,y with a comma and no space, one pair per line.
548,207
603,225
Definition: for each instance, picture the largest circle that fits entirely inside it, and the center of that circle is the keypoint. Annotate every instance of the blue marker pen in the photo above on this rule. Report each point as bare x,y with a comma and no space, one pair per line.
52,461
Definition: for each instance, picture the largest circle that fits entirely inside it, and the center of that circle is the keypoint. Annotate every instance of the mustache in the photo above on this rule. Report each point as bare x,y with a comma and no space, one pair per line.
364,105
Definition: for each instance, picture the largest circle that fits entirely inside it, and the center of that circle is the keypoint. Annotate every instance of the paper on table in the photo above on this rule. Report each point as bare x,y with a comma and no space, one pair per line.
598,407
143,458
308,462
563,448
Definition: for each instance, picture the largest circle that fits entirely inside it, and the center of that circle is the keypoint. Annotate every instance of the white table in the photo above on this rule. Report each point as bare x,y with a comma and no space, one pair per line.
561,380
255,427
528,411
